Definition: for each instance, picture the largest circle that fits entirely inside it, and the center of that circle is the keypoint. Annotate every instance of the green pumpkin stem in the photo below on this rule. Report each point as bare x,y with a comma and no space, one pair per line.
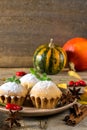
51,44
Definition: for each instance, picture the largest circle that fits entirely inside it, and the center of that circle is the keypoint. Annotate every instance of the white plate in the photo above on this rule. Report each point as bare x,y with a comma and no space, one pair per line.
31,111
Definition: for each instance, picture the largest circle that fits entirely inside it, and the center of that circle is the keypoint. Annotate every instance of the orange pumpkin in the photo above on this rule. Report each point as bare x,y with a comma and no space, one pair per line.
76,49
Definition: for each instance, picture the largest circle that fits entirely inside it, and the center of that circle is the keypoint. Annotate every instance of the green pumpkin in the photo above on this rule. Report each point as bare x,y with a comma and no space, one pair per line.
49,58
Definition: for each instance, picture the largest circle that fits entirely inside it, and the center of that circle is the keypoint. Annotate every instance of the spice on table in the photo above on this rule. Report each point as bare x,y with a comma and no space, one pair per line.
13,115
13,118
76,92
77,114
66,99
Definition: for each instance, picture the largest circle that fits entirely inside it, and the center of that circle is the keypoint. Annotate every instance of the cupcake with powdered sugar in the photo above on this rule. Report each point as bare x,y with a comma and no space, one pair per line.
30,79
45,94
13,92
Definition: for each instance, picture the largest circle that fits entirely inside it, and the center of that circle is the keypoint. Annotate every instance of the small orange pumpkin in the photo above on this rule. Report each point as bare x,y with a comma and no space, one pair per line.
76,49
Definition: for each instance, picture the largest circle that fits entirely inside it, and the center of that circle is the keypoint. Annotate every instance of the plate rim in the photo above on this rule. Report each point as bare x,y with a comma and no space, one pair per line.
32,111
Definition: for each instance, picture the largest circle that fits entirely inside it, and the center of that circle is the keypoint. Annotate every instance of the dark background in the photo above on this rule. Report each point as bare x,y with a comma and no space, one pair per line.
26,24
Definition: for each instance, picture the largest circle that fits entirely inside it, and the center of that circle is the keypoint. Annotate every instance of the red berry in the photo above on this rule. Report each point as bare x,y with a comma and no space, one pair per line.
71,83
77,83
13,107
20,73
82,83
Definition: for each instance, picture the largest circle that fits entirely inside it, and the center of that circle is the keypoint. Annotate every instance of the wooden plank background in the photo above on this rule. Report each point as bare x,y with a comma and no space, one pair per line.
25,24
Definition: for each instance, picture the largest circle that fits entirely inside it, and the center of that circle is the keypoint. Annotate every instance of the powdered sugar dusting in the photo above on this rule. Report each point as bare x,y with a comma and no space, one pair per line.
29,78
12,87
43,85
45,89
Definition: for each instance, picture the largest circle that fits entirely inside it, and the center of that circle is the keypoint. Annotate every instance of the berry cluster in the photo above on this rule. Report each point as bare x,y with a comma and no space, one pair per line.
77,83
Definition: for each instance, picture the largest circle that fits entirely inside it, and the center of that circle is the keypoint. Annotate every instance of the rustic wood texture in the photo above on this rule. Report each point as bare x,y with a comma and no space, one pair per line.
25,24
54,122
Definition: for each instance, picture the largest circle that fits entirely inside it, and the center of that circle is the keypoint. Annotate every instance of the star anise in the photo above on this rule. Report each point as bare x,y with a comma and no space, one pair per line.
66,99
13,118
76,92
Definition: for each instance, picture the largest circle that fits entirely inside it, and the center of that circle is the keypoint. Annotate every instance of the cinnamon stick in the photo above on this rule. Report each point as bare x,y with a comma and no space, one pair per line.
78,119
74,114
75,117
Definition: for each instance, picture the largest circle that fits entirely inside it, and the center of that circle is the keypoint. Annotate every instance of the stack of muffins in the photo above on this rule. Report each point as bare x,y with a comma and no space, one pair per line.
43,94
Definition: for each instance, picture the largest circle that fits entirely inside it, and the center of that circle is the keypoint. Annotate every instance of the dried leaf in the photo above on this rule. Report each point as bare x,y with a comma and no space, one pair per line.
62,85
74,74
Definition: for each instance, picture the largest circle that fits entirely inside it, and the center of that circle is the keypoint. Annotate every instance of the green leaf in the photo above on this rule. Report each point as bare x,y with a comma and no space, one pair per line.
38,75
17,81
13,79
9,79
32,70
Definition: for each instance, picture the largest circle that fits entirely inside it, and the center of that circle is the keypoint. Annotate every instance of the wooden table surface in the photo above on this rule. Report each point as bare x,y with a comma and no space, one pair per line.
52,122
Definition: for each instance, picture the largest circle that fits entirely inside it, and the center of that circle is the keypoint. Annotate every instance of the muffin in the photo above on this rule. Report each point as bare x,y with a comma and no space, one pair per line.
28,80
11,92
45,94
